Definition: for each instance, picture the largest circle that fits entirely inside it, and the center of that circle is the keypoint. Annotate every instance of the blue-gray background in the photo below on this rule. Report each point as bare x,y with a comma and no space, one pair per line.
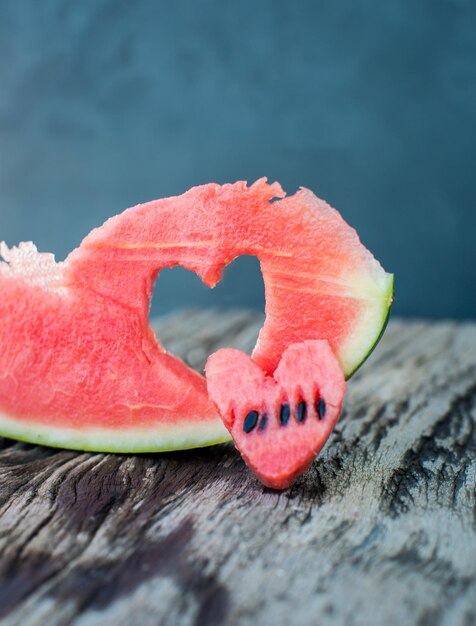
106,103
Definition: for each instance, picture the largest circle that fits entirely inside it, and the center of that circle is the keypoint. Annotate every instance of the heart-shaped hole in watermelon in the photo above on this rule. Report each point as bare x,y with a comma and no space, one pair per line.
177,289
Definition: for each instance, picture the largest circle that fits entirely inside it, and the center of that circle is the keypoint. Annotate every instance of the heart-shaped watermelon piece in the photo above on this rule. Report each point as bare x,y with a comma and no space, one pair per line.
279,422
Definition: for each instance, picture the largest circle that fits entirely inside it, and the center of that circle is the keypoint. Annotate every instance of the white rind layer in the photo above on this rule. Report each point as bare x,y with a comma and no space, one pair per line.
158,438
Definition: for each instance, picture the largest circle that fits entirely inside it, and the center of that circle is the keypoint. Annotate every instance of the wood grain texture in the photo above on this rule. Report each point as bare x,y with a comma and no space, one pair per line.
381,530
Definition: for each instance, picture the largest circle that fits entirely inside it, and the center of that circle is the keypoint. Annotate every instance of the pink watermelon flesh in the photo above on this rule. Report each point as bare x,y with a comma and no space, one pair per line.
82,371
279,423
80,366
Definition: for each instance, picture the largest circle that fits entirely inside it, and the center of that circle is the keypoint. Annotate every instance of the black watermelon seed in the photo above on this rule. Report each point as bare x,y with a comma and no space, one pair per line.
263,422
250,421
321,408
301,411
284,414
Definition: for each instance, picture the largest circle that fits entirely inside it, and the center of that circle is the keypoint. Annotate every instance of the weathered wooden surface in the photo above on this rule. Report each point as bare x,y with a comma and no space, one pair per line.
381,531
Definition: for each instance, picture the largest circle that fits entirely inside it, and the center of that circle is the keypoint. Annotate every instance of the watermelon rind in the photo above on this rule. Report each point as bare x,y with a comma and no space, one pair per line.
161,438
352,358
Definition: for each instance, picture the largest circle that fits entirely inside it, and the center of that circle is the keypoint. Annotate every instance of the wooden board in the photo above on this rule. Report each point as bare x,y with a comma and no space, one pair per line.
381,530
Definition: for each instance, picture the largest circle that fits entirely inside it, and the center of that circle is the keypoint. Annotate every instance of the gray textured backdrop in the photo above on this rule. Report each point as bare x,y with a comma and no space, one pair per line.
105,103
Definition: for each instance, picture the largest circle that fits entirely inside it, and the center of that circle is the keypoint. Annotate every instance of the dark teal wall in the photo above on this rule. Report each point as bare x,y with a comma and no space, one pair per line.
105,103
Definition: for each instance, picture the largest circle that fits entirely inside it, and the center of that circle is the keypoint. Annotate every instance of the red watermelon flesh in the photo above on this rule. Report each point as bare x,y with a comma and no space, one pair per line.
80,366
82,371
280,422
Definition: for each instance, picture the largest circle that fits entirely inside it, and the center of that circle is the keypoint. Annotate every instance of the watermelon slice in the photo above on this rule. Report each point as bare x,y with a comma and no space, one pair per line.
279,423
80,366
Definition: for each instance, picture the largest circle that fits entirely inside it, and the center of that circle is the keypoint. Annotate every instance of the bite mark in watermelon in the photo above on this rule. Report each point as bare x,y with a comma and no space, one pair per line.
279,423
80,366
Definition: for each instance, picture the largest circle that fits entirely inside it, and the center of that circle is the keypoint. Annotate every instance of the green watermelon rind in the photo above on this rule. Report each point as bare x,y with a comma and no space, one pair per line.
388,298
130,440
